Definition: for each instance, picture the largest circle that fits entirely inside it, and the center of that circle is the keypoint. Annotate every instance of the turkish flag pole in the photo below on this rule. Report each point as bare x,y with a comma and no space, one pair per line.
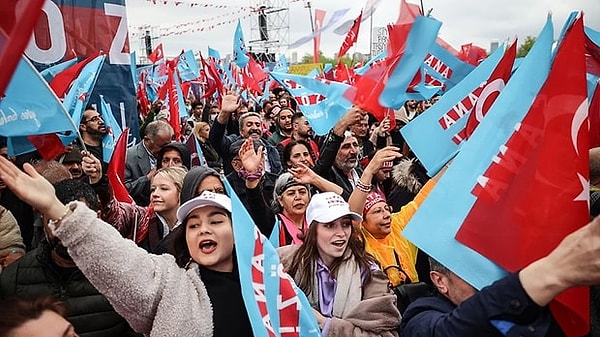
157,55
351,37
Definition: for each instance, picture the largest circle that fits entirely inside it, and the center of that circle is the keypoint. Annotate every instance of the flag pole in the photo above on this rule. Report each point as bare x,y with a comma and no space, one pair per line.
371,37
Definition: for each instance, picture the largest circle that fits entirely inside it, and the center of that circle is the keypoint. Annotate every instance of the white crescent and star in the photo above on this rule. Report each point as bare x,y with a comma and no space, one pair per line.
578,121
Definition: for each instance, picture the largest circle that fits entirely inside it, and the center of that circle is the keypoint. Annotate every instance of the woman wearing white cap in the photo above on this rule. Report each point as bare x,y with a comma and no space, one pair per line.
154,294
348,292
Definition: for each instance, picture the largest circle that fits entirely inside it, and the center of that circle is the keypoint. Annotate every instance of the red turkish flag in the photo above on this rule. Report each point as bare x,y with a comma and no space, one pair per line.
537,191
472,54
157,55
367,88
116,169
319,18
14,40
47,145
61,83
351,37
173,104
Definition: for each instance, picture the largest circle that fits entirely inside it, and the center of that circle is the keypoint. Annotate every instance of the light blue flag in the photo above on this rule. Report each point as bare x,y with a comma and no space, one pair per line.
113,130
49,73
270,295
378,58
322,102
436,222
30,107
274,237
282,65
443,122
420,39
214,54
314,73
79,94
592,82
446,68
188,67
180,99
423,90
335,17
133,68
240,56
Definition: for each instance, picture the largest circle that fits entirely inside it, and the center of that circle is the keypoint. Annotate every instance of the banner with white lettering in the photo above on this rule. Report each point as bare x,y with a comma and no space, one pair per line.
79,28
445,122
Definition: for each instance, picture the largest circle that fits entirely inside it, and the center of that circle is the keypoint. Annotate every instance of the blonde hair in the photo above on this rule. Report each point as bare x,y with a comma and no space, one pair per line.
199,126
174,173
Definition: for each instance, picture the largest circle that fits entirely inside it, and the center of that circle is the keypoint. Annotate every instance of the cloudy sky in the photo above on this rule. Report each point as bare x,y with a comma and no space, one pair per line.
464,21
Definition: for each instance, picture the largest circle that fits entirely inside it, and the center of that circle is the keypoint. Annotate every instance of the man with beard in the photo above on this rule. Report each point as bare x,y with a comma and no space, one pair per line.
250,127
366,149
92,130
284,126
49,271
338,161
301,131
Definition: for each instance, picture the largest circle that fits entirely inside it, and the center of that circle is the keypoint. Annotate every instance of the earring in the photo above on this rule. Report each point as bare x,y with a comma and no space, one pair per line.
187,265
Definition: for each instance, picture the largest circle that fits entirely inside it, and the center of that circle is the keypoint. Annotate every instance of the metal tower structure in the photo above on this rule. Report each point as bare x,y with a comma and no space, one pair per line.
269,28
147,36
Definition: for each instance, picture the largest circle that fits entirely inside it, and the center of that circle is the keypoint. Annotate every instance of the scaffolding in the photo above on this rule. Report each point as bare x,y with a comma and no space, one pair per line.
141,35
269,28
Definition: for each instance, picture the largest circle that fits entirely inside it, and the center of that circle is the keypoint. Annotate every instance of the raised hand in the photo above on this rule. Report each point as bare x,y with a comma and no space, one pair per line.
252,160
303,174
32,188
230,103
384,127
388,153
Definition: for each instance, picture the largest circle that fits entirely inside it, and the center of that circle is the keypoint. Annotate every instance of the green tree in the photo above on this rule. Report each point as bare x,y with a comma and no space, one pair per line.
308,58
525,46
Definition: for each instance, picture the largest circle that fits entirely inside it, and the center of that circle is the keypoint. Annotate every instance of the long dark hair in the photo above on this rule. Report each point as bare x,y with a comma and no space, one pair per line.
287,150
302,268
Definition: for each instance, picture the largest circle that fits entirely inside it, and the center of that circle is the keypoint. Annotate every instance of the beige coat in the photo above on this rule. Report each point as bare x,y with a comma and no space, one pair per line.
375,315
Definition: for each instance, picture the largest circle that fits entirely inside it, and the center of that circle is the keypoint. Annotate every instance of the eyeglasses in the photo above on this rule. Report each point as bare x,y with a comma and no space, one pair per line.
93,119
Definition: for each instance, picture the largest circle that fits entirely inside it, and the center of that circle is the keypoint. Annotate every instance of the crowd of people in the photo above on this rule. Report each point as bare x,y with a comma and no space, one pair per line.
76,261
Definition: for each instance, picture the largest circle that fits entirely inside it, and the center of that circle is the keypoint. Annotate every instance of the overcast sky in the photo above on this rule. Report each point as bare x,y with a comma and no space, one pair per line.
464,21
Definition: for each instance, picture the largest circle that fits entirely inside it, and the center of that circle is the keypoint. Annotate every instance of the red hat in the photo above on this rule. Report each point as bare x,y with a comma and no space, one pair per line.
372,199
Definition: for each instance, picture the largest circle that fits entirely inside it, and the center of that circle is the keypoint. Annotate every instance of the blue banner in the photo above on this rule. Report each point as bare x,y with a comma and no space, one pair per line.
442,122
322,102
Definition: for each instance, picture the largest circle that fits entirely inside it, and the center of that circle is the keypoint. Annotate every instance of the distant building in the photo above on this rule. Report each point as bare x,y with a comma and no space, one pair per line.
379,40
294,57
493,46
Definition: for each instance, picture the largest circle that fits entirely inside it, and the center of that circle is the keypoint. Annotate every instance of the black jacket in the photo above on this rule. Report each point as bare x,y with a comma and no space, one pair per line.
325,165
222,144
35,275
505,303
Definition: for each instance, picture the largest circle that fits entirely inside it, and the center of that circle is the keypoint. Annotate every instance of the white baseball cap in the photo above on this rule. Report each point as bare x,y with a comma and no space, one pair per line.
207,198
328,206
